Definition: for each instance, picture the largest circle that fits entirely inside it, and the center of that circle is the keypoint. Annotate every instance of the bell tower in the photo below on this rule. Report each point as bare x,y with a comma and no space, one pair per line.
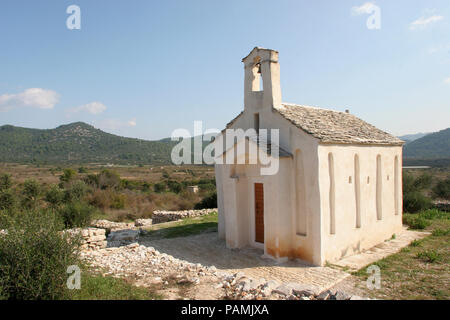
262,87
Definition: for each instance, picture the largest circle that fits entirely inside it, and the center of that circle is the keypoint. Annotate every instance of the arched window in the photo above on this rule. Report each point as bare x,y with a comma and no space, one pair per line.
301,219
357,192
396,186
379,190
332,199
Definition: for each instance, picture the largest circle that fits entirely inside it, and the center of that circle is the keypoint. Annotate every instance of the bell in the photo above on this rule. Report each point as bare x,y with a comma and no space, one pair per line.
259,68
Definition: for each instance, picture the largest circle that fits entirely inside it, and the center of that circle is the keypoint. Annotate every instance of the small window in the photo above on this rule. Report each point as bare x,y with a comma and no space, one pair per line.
350,179
368,180
256,122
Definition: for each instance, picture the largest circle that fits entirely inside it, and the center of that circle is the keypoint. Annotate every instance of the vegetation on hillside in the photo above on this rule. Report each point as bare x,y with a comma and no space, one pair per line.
78,143
432,146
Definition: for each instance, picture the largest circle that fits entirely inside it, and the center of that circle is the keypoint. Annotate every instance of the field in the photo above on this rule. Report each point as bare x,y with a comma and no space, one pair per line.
120,193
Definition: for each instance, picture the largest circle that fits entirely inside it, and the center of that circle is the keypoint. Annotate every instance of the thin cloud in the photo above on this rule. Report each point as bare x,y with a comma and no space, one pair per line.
366,8
33,97
92,108
447,80
423,22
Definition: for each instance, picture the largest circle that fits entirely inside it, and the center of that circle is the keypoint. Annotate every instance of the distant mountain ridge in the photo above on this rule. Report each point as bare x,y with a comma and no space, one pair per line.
78,143
414,136
432,146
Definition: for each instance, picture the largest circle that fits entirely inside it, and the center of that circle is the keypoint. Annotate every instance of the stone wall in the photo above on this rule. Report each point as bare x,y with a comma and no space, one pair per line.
166,216
91,238
115,226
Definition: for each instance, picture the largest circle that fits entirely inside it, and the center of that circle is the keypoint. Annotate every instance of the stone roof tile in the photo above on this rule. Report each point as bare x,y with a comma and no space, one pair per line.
335,127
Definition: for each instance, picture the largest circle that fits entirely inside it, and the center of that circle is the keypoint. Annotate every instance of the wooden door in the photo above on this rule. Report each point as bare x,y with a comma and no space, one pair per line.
259,212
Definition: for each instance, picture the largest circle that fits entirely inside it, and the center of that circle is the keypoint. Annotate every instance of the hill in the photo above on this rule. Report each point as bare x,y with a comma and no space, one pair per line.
411,137
432,146
78,143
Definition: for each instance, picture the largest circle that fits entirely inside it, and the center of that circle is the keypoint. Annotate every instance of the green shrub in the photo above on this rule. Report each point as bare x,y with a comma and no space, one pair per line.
31,191
108,179
440,232
415,201
76,215
434,214
415,243
68,175
82,170
5,182
54,196
34,257
429,256
118,201
75,192
174,186
7,200
208,203
416,222
442,189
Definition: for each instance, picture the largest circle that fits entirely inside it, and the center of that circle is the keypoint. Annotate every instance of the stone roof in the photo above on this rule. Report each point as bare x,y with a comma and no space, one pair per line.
331,126
335,127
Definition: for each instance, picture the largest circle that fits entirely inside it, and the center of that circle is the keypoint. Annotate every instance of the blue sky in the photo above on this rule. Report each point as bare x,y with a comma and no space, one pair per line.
143,68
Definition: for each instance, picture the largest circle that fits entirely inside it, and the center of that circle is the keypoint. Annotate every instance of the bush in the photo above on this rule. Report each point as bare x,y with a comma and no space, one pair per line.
415,201
208,203
68,175
416,222
434,214
82,170
7,200
34,257
159,187
442,189
31,191
76,215
5,182
118,201
174,186
429,256
108,179
101,199
54,196
75,192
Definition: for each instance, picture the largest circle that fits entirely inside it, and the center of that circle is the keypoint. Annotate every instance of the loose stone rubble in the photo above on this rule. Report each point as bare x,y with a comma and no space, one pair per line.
166,216
239,286
148,266
91,238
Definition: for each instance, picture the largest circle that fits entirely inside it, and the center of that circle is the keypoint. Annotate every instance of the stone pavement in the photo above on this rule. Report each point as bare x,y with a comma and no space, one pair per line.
381,250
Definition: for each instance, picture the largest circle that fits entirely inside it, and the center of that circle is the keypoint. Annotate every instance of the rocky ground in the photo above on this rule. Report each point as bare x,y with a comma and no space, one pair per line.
179,279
